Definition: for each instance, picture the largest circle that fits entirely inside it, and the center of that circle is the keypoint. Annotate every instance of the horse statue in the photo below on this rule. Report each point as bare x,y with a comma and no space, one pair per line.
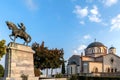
17,32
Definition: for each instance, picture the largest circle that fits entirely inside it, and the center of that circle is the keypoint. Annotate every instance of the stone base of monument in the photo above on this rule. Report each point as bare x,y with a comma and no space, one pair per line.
19,61
29,78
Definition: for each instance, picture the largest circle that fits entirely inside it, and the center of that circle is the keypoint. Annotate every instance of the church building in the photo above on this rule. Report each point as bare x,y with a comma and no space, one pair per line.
97,61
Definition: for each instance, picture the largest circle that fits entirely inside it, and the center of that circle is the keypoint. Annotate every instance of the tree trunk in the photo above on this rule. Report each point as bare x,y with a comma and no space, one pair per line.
47,72
51,72
56,71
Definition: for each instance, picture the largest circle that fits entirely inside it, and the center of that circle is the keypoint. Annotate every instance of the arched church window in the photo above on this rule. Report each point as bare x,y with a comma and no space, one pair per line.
112,70
96,70
100,50
111,60
115,69
97,50
93,50
108,69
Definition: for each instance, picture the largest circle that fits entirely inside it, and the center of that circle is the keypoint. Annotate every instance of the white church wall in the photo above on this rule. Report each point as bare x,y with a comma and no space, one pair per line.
72,69
109,64
78,69
93,65
99,59
85,67
87,58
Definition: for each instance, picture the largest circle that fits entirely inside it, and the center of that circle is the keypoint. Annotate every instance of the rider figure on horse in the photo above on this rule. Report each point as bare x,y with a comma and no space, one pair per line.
18,32
22,27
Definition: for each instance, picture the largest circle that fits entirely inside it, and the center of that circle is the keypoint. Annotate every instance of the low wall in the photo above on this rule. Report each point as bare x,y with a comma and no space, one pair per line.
97,78
54,79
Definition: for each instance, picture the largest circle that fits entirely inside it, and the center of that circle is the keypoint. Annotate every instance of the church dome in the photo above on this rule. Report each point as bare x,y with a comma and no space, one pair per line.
95,44
96,49
112,48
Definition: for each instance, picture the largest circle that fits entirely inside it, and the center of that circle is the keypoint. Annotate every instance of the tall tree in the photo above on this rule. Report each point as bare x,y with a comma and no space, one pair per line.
2,48
57,58
63,68
40,54
45,58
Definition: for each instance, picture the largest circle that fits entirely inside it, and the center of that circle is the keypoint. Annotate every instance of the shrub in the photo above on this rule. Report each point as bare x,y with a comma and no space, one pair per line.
73,77
37,72
58,75
24,77
1,71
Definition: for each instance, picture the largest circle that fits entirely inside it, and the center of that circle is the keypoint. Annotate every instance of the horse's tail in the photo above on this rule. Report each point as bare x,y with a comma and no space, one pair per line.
29,37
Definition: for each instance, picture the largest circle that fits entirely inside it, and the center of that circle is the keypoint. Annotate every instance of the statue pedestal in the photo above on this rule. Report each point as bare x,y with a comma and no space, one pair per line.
19,61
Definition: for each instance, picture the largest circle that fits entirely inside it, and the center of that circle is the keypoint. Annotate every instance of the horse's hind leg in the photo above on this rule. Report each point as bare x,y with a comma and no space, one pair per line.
14,38
11,37
24,43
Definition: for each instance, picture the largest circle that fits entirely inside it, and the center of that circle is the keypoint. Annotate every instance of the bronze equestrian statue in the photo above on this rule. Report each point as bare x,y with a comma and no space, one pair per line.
18,32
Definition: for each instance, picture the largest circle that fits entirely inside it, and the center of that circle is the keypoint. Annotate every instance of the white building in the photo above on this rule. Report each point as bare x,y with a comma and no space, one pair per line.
96,61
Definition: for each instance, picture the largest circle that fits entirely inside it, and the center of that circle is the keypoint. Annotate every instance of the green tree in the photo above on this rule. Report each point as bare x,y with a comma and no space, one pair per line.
1,71
39,56
2,48
56,58
63,68
45,58
41,60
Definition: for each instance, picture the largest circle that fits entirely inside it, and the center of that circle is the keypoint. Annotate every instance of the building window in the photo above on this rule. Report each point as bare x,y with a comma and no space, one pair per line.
99,51
92,51
111,60
96,70
112,70
71,70
115,69
108,69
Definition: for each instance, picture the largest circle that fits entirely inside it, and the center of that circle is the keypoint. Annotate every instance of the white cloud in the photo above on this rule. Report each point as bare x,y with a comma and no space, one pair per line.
94,10
80,12
87,36
31,4
104,24
109,2
82,22
94,15
94,18
79,49
75,52
115,23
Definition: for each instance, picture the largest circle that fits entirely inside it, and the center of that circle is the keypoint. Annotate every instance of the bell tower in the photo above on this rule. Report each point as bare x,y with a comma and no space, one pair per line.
112,50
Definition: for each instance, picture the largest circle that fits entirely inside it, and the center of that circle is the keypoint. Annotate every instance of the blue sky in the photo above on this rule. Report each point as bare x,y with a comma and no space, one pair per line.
67,24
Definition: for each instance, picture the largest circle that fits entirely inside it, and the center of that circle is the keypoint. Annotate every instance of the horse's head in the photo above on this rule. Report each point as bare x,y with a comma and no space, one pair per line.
11,25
